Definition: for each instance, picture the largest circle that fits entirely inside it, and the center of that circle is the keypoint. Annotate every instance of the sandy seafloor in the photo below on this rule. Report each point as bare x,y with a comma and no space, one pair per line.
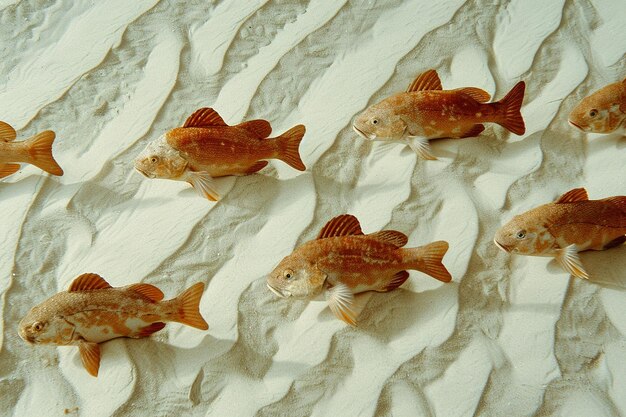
511,336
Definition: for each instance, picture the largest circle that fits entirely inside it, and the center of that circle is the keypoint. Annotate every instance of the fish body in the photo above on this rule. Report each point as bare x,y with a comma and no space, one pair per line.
35,151
343,262
565,227
92,312
206,148
604,111
426,111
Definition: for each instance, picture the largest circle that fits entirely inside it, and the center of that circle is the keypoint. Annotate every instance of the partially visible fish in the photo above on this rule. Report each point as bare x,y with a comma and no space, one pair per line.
604,111
425,112
35,151
91,312
206,147
343,262
571,224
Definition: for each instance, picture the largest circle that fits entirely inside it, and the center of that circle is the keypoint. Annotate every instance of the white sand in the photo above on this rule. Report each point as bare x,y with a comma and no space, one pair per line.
511,336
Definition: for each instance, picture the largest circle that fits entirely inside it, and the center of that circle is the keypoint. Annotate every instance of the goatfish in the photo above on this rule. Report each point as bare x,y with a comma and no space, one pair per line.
91,312
343,262
561,229
604,111
35,151
205,147
426,111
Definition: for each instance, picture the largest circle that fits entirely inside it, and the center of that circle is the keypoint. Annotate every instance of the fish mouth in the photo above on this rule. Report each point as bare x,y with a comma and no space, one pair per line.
144,173
501,246
275,291
576,125
364,135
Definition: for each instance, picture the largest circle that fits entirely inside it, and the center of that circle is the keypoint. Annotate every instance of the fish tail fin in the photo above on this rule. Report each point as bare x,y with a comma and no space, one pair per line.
428,259
511,103
288,144
188,304
40,150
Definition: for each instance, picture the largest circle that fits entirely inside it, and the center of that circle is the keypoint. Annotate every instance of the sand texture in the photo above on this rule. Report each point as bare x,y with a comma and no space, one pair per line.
510,336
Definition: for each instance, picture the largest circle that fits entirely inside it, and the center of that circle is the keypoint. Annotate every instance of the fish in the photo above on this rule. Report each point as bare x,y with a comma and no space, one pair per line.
426,111
343,262
604,111
205,147
35,151
91,311
561,229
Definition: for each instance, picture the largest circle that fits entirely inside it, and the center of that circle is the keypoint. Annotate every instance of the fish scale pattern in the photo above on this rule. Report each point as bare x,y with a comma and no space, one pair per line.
509,336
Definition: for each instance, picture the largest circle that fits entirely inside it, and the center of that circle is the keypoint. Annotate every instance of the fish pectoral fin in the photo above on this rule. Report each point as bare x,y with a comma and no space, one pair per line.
90,356
421,147
7,133
341,302
204,184
8,169
569,260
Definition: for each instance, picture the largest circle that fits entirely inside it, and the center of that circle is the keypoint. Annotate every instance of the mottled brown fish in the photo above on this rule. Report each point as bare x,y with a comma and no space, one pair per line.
571,224
343,261
604,111
426,111
91,312
205,147
35,151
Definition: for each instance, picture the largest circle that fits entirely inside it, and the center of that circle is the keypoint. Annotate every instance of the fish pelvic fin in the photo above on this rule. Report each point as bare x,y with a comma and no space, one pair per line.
40,150
428,259
511,104
287,147
8,169
90,356
203,183
188,307
568,258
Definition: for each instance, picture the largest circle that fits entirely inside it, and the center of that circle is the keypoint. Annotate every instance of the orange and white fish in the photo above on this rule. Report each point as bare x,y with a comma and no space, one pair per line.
91,312
342,262
604,111
205,147
571,224
36,151
425,112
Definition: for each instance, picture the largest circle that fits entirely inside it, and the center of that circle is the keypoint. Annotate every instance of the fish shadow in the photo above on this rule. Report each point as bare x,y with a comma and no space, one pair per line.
605,268
612,140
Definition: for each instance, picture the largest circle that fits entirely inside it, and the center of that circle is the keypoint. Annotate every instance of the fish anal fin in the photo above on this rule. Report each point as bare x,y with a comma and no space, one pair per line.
7,133
397,280
474,131
568,258
88,282
428,80
150,329
204,184
256,167
150,292
421,147
572,196
477,94
90,356
615,242
204,117
343,225
8,169
342,304
398,239
261,128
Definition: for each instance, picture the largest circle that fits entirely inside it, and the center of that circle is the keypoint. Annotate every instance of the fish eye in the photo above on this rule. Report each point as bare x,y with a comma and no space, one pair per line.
593,112
521,234
288,273
38,326
154,159
375,121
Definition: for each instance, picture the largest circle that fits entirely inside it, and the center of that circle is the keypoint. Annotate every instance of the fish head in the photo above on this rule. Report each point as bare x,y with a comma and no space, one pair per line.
296,278
600,112
160,160
42,326
380,122
525,234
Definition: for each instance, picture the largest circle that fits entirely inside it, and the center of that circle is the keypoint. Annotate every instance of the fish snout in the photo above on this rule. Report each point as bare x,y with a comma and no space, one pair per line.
144,173
275,290
362,133
576,125
29,338
501,246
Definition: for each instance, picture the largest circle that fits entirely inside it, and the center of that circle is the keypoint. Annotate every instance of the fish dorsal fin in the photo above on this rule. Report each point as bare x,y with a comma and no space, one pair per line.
204,117
477,94
344,225
428,80
260,128
572,196
88,282
7,133
398,239
150,292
